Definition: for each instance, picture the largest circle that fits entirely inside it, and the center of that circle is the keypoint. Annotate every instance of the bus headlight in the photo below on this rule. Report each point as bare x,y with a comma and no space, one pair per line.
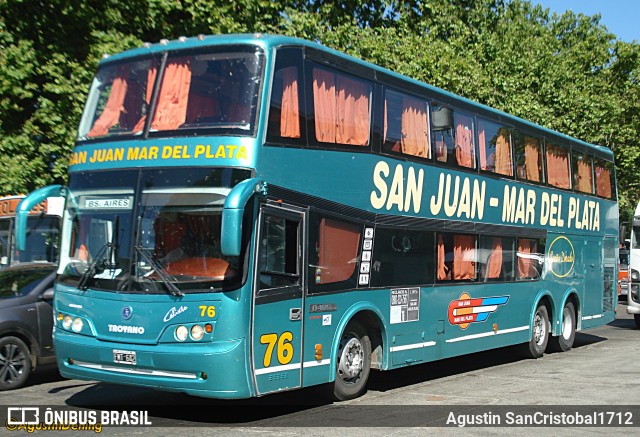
182,333
197,332
77,324
66,322
635,276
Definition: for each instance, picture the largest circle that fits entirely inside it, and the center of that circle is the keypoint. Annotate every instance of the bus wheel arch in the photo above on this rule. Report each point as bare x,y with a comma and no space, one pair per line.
359,349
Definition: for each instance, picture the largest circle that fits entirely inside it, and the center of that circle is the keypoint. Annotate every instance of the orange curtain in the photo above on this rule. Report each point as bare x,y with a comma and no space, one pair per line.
353,112
442,267
441,147
324,98
338,250
503,155
290,111
524,262
464,266
585,176
114,106
532,159
483,147
386,121
464,141
415,131
603,182
151,79
171,111
558,167
341,109
494,263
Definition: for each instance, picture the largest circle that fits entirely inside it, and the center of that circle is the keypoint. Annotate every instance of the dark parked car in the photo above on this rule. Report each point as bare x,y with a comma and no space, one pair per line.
26,321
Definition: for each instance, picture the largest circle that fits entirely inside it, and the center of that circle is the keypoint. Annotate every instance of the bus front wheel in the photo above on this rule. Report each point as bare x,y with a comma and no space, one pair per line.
564,341
539,333
353,363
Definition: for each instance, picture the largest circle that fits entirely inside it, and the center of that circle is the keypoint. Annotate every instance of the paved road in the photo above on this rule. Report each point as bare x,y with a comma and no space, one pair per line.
599,370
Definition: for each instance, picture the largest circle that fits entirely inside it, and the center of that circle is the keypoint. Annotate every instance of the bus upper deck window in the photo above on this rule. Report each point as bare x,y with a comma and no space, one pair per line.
529,157
342,109
406,125
119,99
604,177
494,142
453,137
558,166
582,173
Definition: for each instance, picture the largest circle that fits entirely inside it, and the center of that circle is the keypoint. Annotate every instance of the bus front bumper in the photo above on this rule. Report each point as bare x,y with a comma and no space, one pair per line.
633,298
215,369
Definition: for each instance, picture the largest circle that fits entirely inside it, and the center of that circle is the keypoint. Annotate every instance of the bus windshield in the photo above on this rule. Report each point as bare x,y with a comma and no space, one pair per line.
215,89
149,231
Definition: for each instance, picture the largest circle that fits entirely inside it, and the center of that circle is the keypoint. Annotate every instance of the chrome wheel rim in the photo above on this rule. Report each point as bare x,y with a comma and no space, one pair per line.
12,363
539,329
351,359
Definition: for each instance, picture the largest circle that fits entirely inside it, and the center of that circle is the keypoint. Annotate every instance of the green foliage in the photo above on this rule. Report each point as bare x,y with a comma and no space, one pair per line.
565,72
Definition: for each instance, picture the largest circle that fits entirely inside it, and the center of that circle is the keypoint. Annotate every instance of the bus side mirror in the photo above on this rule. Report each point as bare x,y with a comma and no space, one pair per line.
26,205
233,212
623,232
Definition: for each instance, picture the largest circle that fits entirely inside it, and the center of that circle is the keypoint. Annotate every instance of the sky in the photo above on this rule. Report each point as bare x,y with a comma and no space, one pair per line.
620,17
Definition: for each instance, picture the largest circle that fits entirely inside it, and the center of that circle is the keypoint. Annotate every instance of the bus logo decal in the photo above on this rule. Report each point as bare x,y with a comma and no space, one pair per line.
127,312
561,257
466,310
174,312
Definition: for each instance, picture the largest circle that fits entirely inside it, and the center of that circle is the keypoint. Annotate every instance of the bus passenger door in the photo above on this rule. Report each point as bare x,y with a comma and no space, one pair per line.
278,299
593,278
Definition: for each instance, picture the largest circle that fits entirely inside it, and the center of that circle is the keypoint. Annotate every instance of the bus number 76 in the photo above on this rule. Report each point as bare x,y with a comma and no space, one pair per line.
284,349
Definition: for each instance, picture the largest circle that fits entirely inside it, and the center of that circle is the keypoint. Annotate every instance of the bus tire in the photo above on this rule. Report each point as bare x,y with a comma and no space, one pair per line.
636,318
15,363
539,333
564,341
353,363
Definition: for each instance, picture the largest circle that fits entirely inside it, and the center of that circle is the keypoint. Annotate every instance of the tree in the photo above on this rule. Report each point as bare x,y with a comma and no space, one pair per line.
565,72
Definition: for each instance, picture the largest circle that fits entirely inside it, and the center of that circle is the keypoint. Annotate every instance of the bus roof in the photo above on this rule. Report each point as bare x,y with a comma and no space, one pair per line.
271,41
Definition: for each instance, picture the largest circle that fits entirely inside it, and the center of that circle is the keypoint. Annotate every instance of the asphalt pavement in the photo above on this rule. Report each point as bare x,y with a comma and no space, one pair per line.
489,393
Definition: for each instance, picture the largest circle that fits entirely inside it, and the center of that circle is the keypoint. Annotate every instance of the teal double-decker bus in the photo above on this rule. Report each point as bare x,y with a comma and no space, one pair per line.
248,214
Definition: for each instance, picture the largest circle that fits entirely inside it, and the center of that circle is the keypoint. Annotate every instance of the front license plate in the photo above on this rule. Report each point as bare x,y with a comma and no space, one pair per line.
124,357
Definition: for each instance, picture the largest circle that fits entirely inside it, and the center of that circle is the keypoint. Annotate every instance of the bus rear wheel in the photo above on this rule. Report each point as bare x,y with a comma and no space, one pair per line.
353,364
539,333
564,341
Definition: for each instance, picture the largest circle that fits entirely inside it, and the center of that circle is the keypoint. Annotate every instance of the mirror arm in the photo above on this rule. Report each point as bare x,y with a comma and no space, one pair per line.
25,206
233,211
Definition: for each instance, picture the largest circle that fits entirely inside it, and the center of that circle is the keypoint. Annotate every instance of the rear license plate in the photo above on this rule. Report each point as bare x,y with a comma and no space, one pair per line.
124,357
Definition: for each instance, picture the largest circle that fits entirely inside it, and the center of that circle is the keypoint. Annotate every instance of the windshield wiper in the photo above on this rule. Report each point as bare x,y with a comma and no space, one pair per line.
92,268
161,274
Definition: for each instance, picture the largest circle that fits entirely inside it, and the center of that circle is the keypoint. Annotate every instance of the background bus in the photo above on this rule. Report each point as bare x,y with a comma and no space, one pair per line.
249,214
633,294
43,225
